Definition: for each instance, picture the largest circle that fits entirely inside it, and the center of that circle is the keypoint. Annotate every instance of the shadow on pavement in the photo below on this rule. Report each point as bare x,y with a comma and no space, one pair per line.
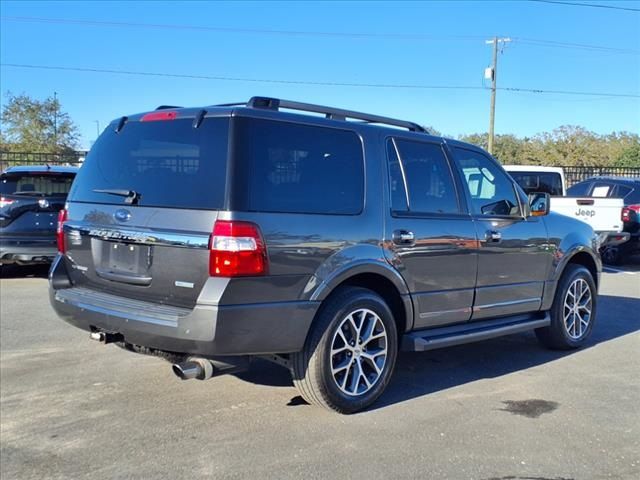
419,374
24,271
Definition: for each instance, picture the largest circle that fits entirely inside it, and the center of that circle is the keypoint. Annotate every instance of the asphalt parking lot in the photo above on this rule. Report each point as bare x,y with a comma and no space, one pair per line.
502,409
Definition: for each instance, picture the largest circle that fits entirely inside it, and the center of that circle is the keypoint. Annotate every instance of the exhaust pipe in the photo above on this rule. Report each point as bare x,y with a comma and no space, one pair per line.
199,368
105,337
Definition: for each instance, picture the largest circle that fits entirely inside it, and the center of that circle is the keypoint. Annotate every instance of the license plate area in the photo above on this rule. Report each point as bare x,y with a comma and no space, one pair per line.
119,257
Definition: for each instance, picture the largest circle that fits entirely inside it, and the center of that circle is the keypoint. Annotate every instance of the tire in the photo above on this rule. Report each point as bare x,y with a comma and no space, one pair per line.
350,313
561,334
611,255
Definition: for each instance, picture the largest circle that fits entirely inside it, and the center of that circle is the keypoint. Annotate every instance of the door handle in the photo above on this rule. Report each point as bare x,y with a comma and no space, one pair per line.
403,237
493,236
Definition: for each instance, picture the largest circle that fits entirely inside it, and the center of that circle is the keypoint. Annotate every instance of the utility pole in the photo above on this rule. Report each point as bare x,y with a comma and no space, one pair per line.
97,128
55,119
493,71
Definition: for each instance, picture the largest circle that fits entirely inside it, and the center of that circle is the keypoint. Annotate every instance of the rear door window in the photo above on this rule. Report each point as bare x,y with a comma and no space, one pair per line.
168,163
424,171
292,168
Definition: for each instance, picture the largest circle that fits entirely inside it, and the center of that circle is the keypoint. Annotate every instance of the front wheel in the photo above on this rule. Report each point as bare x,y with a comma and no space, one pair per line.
573,311
350,352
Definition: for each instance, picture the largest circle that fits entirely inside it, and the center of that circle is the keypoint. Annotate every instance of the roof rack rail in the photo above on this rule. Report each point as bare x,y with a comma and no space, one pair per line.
165,107
329,112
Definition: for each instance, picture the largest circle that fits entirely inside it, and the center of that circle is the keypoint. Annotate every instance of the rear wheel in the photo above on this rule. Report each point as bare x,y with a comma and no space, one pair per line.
573,311
350,352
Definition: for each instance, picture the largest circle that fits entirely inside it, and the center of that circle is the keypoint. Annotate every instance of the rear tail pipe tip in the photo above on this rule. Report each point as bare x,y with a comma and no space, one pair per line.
105,337
198,368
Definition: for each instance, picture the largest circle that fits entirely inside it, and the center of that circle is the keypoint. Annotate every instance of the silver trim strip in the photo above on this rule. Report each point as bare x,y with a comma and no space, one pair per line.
144,237
445,312
506,304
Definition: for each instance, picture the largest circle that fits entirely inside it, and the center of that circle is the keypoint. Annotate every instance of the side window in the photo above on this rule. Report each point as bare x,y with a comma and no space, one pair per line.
291,168
579,189
601,189
399,202
426,171
621,191
491,190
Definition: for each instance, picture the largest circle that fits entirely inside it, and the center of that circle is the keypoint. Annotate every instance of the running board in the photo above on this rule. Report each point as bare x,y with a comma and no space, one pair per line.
430,339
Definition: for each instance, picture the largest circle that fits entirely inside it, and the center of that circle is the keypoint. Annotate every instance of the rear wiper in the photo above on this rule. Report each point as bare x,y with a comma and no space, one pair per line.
131,197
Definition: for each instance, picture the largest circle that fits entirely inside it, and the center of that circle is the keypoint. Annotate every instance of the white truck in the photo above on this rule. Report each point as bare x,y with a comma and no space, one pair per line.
603,214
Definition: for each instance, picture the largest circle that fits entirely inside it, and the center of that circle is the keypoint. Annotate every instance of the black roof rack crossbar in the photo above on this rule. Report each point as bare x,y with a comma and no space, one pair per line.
165,107
329,112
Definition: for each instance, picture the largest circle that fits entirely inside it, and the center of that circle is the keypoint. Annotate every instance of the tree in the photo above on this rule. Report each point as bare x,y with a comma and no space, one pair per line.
567,145
630,157
31,125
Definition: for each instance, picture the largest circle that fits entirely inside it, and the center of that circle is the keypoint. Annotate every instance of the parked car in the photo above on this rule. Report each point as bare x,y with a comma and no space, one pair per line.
322,242
628,189
602,214
30,199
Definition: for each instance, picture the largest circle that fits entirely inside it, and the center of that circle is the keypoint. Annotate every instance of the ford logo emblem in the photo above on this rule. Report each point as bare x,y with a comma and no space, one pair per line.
122,215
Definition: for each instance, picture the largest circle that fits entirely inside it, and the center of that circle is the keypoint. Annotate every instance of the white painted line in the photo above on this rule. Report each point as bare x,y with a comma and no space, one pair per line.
617,270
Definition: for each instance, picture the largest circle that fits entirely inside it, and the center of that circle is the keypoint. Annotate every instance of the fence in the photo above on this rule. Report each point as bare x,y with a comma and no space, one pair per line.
577,174
10,159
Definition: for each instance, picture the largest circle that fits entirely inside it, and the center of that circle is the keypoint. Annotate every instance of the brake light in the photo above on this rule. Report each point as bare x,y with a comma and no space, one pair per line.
5,202
158,116
630,212
63,215
236,249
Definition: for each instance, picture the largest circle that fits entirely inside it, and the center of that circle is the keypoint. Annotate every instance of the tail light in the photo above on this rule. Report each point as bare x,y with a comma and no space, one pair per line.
236,249
63,215
5,202
630,213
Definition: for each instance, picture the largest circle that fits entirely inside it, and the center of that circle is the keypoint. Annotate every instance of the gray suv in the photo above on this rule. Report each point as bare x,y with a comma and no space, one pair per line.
322,239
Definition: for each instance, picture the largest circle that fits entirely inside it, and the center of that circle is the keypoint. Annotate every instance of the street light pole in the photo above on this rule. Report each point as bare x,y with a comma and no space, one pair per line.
97,128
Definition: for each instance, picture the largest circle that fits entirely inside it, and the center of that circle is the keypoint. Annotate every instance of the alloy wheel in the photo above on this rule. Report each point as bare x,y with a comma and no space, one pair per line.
578,304
358,352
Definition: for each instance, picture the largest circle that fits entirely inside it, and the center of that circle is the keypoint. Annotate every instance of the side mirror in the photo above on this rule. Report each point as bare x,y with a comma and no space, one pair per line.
539,204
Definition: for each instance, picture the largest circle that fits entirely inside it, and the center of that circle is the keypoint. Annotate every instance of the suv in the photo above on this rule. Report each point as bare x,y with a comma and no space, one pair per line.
325,243
30,199
617,187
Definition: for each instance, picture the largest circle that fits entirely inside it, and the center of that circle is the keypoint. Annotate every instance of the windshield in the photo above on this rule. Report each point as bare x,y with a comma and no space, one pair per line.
166,163
36,184
544,182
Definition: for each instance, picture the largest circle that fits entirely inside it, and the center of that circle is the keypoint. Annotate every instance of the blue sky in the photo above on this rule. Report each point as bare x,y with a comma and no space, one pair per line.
448,49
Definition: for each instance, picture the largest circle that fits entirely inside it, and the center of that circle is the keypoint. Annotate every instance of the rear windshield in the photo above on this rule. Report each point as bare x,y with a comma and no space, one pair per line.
167,163
36,183
545,182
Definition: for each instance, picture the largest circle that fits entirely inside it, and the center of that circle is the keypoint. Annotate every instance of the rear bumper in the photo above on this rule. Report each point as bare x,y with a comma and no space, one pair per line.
26,252
206,330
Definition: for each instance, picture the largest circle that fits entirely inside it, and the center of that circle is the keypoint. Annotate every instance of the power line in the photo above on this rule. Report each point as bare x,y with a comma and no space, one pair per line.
356,35
102,23
593,5
306,82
